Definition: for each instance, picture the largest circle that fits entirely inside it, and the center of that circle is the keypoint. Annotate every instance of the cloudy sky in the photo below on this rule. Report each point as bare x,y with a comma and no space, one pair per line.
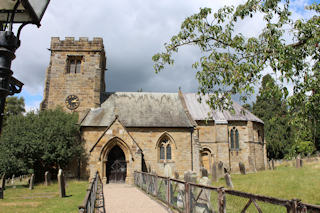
132,31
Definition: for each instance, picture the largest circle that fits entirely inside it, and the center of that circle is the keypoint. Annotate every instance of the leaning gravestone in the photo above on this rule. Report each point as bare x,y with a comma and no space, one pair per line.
242,168
214,172
227,177
31,182
61,183
203,204
47,178
3,181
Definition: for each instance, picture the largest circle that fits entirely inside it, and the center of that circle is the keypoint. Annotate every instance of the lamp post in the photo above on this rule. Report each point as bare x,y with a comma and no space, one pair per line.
12,12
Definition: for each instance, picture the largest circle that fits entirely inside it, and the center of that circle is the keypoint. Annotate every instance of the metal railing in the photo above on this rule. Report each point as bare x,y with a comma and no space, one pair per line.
191,197
94,199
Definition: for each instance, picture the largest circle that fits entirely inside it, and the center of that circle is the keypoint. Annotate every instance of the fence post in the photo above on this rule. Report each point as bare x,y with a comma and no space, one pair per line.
187,197
222,200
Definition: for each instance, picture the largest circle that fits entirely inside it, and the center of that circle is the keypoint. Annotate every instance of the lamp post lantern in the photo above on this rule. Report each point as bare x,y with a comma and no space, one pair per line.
12,12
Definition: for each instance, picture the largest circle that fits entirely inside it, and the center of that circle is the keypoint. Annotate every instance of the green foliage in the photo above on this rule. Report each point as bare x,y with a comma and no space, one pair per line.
14,106
271,107
232,63
35,142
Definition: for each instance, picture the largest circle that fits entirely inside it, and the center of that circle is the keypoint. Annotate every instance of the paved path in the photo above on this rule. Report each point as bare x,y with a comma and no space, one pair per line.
124,198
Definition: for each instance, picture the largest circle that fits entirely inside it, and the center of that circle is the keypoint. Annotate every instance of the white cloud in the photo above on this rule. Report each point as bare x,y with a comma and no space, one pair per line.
132,31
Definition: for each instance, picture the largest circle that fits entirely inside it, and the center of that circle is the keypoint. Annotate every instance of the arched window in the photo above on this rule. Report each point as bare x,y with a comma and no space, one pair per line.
234,139
237,139
168,152
165,149
162,152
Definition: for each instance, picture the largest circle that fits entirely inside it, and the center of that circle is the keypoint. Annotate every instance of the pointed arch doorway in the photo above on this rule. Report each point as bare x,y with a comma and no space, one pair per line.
116,166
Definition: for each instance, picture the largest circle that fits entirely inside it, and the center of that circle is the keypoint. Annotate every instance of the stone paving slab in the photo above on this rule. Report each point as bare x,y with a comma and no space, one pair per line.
124,198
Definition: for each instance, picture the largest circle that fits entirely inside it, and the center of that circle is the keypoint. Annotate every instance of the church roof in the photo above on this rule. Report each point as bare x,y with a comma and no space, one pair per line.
139,109
200,111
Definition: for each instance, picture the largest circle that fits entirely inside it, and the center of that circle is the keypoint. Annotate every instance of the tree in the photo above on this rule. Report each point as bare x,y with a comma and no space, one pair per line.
232,63
38,142
14,106
271,106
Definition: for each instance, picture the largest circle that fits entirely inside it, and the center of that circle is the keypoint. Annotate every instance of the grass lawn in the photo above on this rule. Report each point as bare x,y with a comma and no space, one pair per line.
44,199
285,182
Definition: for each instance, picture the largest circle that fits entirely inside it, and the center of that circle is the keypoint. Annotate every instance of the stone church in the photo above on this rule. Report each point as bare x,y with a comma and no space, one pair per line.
127,131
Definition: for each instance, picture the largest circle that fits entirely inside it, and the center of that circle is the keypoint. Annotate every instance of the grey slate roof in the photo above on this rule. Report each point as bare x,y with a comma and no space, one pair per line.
199,111
139,109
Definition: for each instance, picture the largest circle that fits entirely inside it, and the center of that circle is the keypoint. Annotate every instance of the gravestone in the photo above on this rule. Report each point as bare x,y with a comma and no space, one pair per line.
1,193
168,171
220,171
228,180
176,175
181,196
47,178
20,178
242,168
214,172
31,182
297,162
269,166
252,164
204,172
3,181
187,176
272,164
12,180
61,183
203,204
193,177
301,163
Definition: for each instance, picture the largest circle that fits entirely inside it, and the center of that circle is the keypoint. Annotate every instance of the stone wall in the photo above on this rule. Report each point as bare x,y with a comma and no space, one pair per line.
87,85
215,137
134,139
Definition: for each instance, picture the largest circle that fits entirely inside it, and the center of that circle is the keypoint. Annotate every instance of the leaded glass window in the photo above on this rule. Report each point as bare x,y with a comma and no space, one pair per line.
234,139
162,152
168,152
237,139
165,150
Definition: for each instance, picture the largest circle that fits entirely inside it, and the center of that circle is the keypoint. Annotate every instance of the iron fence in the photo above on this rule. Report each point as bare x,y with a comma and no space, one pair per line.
192,197
94,199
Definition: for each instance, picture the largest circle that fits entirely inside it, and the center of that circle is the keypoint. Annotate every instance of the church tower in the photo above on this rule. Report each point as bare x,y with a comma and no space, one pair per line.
75,75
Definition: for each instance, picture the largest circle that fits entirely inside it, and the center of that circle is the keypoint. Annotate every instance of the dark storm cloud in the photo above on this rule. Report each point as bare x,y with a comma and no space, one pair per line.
132,30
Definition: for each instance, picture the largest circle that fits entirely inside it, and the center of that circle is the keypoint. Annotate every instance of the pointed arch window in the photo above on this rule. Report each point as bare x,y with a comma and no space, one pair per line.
234,139
165,150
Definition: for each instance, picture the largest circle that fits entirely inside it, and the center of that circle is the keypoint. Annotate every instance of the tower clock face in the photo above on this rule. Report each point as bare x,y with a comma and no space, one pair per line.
72,102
